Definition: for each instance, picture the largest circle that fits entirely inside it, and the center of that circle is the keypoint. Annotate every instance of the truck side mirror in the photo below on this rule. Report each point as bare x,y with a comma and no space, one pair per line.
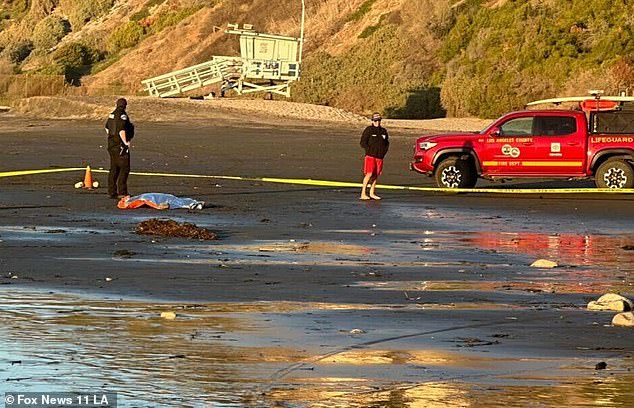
495,132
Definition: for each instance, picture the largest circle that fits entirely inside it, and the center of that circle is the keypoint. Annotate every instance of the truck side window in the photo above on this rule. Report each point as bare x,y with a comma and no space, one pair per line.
517,127
614,122
555,125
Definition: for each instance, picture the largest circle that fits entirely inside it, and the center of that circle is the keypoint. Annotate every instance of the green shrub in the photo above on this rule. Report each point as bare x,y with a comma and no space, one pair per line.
361,11
73,55
125,36
498,59
368,31
51,69
75,59
457,39
49,31
18,51
367,78
15,8
319,76
97,42
140,15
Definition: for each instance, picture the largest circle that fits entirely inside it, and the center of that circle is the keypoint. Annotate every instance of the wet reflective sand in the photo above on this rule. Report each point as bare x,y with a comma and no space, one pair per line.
496,333
285,354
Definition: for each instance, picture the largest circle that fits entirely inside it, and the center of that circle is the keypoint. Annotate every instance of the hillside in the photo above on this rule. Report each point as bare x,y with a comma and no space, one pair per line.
406,58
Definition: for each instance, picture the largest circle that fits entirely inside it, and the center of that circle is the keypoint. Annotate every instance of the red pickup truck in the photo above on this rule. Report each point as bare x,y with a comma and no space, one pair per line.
593,140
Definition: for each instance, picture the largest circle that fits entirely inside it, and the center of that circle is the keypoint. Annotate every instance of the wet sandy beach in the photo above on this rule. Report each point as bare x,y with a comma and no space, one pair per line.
309,297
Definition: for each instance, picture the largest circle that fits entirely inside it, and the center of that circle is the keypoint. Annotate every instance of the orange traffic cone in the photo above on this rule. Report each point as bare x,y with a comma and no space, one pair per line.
88,178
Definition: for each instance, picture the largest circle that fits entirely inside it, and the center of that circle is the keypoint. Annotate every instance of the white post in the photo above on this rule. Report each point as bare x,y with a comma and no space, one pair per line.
301,34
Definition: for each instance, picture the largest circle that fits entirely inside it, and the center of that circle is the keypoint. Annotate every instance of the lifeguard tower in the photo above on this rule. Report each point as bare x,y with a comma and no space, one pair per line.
267,63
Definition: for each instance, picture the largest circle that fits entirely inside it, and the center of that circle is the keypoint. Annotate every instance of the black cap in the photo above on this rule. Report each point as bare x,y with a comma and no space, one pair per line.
122,103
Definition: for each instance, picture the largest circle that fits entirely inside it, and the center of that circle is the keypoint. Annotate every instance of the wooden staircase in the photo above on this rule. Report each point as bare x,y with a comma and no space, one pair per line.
218,69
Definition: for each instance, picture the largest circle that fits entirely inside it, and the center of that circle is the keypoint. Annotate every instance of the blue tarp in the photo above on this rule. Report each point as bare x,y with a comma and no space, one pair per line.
160,201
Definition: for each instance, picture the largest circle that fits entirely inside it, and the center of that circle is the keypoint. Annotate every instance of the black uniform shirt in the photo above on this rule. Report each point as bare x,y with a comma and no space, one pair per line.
117,121
375,141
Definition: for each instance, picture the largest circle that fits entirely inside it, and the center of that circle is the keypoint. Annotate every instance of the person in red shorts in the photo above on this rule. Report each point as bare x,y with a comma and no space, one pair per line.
375,142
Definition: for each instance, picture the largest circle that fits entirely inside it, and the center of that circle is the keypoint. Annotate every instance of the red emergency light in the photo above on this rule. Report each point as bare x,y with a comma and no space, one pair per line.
598,105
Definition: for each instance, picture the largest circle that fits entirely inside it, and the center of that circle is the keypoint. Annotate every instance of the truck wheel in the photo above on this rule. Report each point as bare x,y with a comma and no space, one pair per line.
455,173
614,174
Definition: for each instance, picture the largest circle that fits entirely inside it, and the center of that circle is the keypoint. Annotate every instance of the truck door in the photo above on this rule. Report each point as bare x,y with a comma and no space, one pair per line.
506,146
559,147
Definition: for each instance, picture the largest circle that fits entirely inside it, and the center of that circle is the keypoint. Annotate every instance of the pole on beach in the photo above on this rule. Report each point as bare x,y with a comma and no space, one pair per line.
301,34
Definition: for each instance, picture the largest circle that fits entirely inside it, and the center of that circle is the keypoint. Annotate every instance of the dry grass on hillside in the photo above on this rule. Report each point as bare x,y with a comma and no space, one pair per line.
174,48
322,23
347,36
195,40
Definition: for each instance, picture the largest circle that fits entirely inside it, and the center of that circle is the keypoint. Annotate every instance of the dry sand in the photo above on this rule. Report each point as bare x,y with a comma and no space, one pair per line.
183,109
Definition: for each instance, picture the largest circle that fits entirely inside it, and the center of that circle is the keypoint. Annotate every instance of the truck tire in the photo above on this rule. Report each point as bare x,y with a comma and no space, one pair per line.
614,173
454,172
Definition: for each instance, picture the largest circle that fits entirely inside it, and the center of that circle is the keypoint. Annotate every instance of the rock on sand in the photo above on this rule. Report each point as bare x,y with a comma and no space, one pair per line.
544,263
611,302
624,319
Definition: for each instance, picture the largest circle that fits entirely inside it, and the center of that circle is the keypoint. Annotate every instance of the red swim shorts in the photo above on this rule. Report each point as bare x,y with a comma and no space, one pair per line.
372,165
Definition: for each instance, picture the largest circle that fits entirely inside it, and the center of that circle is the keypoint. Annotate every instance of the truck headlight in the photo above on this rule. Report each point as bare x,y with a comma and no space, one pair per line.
426,145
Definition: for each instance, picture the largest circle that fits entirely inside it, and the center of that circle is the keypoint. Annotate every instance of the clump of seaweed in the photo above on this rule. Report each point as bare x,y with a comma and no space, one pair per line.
171,228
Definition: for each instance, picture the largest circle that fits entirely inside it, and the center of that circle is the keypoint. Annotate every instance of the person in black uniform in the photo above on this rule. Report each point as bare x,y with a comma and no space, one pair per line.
120,131
375,142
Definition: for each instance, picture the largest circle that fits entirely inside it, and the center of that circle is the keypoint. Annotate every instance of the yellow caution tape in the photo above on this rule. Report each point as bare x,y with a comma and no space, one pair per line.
31,172
327,183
